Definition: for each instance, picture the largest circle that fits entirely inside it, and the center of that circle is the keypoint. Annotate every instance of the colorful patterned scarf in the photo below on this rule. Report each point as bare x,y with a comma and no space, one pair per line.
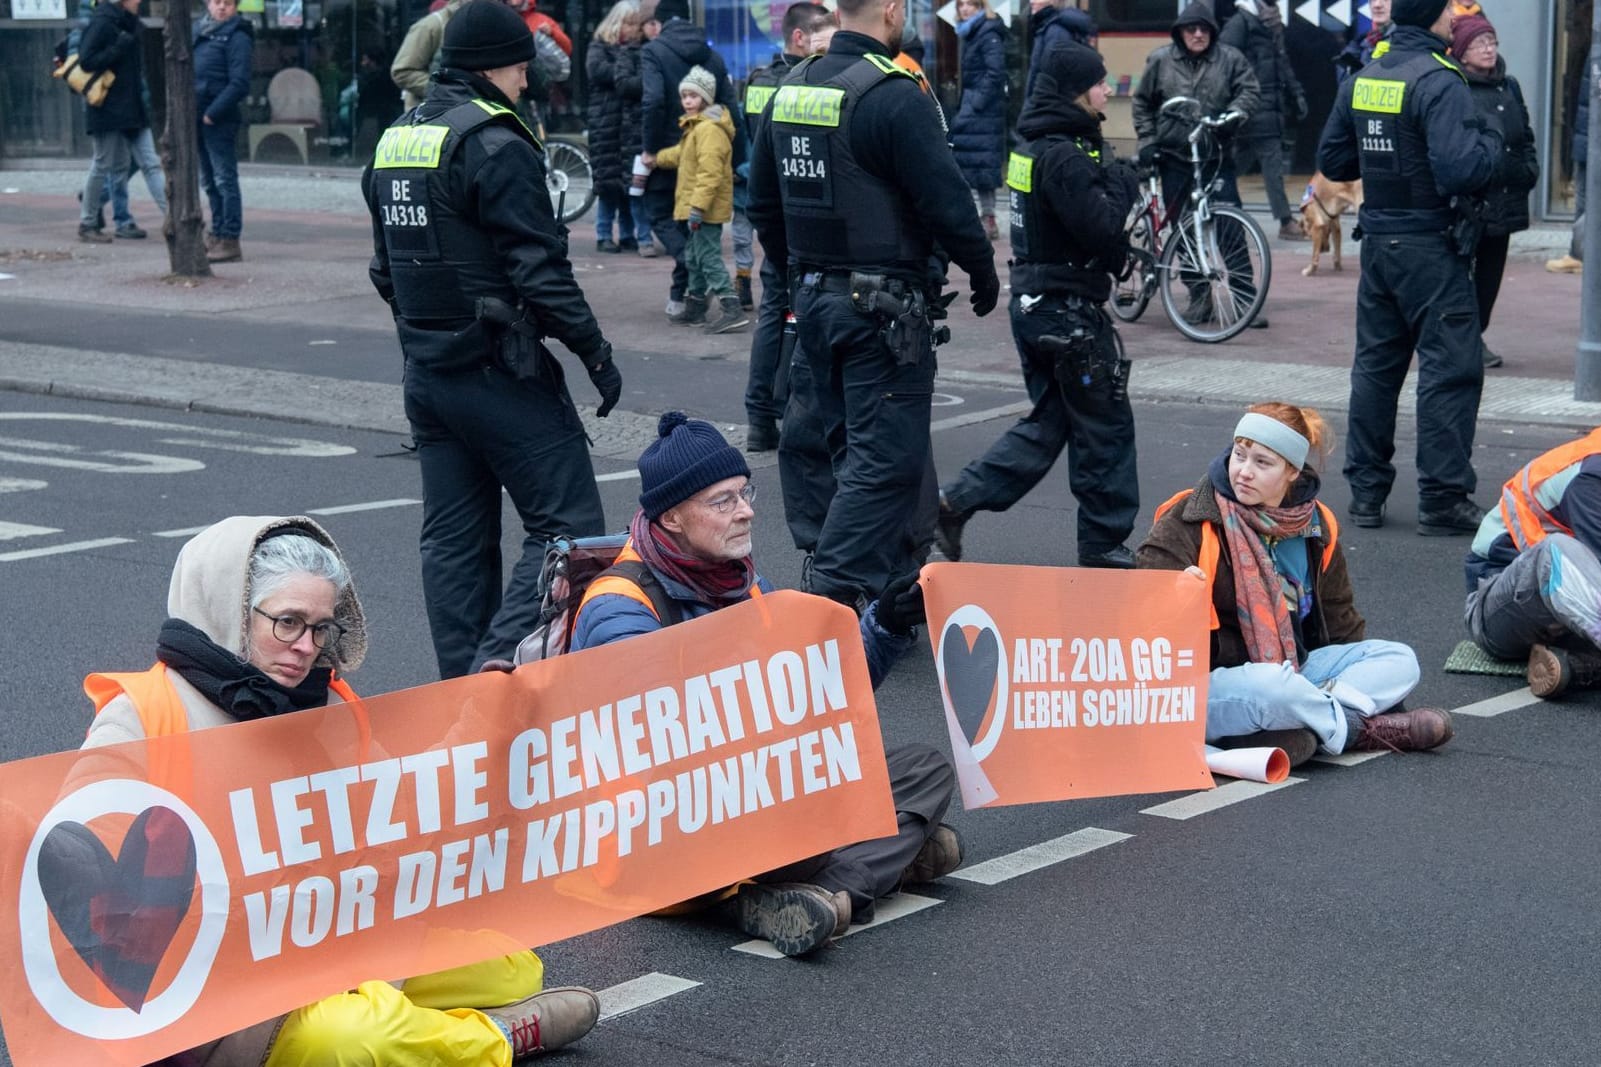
1258,589
717,584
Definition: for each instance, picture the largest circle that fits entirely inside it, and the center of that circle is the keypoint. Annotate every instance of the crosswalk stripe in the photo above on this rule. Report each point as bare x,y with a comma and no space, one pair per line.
887,910
636,993
1001,868
1188,807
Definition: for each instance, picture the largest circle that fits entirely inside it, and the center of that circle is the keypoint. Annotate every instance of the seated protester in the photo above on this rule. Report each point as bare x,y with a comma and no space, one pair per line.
263,614
693,533
1534,579
1287,651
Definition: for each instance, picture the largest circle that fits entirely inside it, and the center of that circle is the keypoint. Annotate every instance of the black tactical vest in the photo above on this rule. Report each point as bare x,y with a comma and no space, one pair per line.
1045,256
438,262
1389,131
836,214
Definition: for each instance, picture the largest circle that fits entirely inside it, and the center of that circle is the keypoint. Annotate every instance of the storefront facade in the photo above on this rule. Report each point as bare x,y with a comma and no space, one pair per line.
340,51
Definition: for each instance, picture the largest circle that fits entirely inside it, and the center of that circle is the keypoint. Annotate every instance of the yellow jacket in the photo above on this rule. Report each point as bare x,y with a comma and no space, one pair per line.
704,158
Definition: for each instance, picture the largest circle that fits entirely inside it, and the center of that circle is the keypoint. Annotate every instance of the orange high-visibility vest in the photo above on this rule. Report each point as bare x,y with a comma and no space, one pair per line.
1211,549
616,583
1526,519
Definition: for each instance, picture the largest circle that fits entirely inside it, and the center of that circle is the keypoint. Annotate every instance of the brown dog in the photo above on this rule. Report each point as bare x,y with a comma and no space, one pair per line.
1325,201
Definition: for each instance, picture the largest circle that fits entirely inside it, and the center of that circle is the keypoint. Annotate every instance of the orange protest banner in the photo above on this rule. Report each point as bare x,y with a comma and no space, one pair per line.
291,858
1068,682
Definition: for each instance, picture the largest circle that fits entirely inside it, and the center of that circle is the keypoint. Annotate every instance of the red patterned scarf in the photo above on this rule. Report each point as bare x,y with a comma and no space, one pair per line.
1258,589
717,584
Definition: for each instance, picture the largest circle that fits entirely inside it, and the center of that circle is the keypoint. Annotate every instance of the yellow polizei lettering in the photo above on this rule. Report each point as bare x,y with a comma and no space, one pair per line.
808,105
1020,172
756,97
1377,94
410,146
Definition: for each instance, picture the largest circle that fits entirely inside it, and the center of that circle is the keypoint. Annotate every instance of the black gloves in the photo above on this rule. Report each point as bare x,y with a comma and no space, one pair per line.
1298,109
986,289
1149,154
900,605
605,377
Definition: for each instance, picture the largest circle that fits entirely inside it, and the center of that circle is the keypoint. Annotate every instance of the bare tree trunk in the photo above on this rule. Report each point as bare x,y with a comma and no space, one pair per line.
180,151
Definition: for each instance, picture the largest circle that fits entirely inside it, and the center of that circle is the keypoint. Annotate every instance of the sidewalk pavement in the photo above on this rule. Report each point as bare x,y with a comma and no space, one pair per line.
307,243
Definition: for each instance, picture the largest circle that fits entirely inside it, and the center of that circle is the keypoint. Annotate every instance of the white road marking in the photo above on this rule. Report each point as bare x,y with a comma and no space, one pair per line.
1487,709
188,531
197,436
617,476
1347,759
887,910
55,550
373,505
19,485
636,993
141,462
10,531
1189,807
1032,858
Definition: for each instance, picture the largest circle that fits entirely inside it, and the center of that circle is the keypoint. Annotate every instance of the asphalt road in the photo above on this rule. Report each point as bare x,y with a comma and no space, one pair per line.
1433,908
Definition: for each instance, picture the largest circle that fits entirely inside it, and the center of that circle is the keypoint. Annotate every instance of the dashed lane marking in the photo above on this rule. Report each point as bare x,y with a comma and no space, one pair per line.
372,505
1189,807
1032,858
637,993
1347,759
55,550
887,910
187,531
10,531
1487,709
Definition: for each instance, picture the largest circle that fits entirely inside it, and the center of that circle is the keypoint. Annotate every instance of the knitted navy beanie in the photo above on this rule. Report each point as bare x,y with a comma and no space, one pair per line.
686,457
486,35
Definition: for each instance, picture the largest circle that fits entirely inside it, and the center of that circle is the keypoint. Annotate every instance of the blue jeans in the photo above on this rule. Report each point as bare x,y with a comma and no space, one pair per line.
219,177
1274,696
607,212
744,250
143,149
641,215
112,158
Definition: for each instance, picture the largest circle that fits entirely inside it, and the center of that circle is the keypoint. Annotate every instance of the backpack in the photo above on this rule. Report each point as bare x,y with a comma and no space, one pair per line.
572,565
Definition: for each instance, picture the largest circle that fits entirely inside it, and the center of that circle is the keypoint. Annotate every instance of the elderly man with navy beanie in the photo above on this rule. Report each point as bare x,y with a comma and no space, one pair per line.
689,554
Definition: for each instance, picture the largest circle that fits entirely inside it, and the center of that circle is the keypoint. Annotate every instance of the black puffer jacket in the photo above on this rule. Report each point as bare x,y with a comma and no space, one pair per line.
629,87
605,117
663,64
111,42
1275,78
1499,99
978,129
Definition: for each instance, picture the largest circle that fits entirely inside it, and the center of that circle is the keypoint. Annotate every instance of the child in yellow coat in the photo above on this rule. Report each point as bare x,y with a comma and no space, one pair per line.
704,198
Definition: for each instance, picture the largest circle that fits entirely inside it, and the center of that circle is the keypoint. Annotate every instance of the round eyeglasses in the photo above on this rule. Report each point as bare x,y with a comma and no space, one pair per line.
288,628
723,503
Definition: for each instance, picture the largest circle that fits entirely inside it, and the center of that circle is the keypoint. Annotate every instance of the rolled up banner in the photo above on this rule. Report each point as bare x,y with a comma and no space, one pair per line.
1253,764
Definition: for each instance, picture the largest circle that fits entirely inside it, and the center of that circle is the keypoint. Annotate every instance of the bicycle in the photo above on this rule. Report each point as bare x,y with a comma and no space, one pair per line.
568,176
1210,262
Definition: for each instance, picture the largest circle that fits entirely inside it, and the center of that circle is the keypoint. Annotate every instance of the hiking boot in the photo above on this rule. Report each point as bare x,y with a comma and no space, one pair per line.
728,317
692,312
940,855
1552,671
547,1021
797,918
1299,744
90,235
606,244
1565,265
131,232
1463,517
1490,358
948,530
1117,558
742,289
990,229
1290,230
226,250
1368,514
761,435
1400,731
648,250
211,240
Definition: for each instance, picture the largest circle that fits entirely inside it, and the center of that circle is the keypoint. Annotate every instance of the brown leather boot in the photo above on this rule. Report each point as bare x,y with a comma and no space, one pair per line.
1553,671
547,1021
940,855
226,250
796,917
1401,731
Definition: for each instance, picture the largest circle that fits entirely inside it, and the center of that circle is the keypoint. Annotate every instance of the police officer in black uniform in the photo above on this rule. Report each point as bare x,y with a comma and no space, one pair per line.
764,405
1069,201
1406,126
852,186
470,258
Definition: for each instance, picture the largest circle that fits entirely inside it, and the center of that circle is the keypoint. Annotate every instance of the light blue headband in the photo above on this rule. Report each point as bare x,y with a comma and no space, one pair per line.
1271,433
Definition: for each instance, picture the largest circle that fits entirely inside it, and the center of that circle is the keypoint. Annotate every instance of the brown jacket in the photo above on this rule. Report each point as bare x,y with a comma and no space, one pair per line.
1174,543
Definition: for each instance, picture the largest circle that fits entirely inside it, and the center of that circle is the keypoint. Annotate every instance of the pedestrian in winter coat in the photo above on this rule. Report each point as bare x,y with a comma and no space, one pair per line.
1364,48
1257,30
1052,23
1289,653
978,129
703,200
111,43
664,63
611,172
262,617
1215,75
222,48
630,143
1573,262
692,532
1499,101
414,61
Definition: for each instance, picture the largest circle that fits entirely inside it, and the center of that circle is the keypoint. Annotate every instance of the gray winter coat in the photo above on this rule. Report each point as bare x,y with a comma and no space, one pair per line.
1220,78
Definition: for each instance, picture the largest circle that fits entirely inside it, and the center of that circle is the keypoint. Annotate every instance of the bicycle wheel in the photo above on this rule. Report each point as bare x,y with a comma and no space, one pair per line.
1132,294
1215,285
567,171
